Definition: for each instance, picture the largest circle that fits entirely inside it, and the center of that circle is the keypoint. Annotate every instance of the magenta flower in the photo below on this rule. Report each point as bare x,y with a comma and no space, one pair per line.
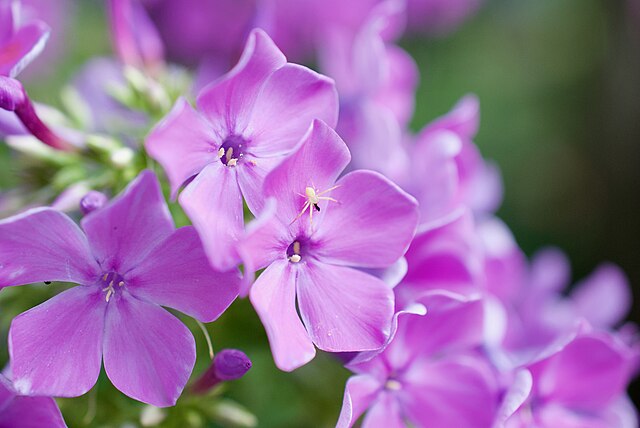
581,384
129,261
319,231
20,42
445,155
250,118
27,412
431,374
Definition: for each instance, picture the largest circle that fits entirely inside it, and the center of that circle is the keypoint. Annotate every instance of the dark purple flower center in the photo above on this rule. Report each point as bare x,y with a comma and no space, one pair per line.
232,150
110,282
298,249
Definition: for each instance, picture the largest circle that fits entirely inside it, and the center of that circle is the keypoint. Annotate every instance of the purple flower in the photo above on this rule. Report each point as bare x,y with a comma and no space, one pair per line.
20,42
376,81
134,36
129,261
582,384
27,412
436,17
431,374
249,119
92,201
310,241
445,155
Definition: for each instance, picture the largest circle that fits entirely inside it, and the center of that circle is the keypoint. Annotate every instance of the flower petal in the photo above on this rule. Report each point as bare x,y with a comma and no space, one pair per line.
344,309
604,298
148,353
371,225
228,103
385,413
177,274
56,347
182,144
293,96
274,298
214,204
450,392
44,245
317,162
25,45
122,233
31,412
359,393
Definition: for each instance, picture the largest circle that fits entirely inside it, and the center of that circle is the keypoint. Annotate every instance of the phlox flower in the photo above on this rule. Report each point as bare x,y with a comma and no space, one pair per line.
129,260
20,42
27,412
431,374
579,384
313,239
248,120
445,156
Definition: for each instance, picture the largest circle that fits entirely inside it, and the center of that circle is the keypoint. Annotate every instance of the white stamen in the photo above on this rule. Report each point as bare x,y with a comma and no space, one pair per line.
295,258
229,154
232,162
220,153
296,247
393,385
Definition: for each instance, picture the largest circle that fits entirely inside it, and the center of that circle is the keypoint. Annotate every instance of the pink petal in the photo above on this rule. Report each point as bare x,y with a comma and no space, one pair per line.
177,274
22,48
148,353
450,392
122,233
385,413
7,22
359,393
214,204
292,97
274,298
516,394
262,244
371,225
32,412
44,245
344,309
251,178
229,102
587,374
463,119
317,162
183,143
604,298
56,347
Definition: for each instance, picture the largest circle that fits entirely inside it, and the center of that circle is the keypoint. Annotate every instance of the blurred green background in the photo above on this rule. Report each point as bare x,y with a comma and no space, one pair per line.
559,85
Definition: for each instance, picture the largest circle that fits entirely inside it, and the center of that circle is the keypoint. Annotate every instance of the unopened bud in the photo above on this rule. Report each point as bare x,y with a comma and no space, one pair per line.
228,364
92,201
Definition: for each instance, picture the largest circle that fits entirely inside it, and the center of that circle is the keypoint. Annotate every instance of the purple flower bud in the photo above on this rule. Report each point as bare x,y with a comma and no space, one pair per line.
228,364
14,98
231,364
92,201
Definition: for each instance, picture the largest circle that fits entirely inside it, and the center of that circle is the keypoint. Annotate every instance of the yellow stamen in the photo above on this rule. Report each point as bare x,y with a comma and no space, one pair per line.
220,153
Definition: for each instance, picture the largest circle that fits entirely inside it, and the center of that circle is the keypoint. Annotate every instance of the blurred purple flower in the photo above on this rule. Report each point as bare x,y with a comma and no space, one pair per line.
447,170
376,82
310,243
27,412
129,261
20,42
437,17
582,384
249,119
92,201
431,374
134,35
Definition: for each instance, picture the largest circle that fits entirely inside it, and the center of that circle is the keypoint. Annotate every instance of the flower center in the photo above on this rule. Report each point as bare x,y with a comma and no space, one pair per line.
232,150
393,385
110,282
296,250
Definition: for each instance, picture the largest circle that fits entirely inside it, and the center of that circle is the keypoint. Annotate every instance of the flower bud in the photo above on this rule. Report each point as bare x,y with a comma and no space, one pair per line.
228,364
92,201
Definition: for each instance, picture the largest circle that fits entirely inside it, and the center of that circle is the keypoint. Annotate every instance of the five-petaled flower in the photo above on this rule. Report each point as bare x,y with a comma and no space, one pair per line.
365,221
249,120
130,260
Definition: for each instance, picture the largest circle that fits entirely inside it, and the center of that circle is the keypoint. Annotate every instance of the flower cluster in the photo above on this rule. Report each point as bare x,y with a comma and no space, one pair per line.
302,190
